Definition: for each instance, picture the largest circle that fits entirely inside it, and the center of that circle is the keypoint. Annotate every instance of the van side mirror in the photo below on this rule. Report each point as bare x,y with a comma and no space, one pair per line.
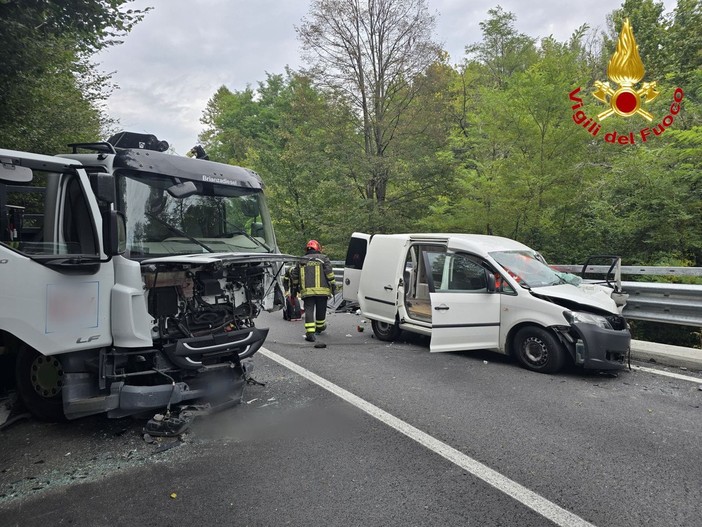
115,233
491,285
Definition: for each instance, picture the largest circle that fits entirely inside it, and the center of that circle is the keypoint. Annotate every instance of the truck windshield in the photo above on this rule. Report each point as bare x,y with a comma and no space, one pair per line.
212,218
527,268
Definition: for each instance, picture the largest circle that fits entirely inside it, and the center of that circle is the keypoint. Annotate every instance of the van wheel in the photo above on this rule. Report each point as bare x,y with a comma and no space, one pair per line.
385,331
39,381
538,350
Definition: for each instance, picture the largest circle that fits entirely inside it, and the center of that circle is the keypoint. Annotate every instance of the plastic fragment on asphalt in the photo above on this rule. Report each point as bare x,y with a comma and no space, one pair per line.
173,495
165,447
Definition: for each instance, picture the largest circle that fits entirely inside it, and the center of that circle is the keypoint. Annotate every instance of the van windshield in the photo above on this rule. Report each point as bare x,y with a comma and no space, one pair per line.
527,268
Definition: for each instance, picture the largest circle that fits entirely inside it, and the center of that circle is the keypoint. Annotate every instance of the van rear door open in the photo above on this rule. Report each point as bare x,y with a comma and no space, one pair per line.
355,257
380,279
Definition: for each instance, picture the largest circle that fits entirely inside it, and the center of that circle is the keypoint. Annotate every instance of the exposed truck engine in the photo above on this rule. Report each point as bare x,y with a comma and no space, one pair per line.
130,279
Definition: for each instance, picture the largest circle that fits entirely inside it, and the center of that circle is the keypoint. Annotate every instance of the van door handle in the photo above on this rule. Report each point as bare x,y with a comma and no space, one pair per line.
442,307
388,288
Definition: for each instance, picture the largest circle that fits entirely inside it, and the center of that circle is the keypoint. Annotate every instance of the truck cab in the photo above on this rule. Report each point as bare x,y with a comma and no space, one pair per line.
468,291
130,279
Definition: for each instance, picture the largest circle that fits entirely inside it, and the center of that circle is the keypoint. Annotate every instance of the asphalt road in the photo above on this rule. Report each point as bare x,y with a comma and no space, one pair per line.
569,449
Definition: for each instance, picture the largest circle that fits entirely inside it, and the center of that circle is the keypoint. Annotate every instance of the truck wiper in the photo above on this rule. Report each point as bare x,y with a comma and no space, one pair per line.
247,236
179,232
73,264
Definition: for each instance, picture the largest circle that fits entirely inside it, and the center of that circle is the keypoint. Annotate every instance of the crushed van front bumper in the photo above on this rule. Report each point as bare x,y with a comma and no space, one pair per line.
598,348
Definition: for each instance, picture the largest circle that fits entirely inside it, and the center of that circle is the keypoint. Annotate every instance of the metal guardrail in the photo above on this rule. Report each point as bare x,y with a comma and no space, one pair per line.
655,301
667,303
679,304
632,270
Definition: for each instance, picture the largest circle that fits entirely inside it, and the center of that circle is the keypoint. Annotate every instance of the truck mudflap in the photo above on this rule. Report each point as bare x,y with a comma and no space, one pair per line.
210,350
598,348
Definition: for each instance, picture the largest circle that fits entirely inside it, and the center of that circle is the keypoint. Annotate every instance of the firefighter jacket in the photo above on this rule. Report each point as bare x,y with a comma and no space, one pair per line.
313,275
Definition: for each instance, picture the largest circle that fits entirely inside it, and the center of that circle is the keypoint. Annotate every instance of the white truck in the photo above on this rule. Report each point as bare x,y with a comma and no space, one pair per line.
469,291
130,279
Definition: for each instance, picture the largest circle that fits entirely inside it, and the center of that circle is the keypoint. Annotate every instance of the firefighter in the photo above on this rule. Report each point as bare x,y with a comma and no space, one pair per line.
313,278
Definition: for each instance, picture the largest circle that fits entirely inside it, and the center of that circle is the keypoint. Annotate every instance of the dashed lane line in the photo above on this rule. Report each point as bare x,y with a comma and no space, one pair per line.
549,510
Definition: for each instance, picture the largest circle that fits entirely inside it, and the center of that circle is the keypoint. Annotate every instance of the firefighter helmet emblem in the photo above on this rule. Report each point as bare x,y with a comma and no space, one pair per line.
626,69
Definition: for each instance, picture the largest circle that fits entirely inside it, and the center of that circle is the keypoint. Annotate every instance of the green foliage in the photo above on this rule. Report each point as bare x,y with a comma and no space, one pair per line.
488,146
50,93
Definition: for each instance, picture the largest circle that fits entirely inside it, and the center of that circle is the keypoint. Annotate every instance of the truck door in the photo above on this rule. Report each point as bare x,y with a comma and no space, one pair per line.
381,275
355,257
465,313
54,290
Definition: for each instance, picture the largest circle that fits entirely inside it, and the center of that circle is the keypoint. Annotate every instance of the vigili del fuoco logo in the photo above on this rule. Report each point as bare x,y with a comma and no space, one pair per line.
626,70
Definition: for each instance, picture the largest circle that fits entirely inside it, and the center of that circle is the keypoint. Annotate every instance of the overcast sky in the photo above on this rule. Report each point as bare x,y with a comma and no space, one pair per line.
184,50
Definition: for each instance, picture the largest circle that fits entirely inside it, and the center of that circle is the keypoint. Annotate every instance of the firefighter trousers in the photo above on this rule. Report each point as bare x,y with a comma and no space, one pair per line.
315,314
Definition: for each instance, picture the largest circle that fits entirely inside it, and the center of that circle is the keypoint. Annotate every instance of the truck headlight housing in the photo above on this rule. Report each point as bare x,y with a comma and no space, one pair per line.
586,318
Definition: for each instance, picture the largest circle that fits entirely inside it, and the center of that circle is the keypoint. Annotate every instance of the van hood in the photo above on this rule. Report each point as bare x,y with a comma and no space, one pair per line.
585,297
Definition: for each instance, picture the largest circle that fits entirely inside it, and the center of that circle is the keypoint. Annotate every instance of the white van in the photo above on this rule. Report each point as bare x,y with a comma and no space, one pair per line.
469,291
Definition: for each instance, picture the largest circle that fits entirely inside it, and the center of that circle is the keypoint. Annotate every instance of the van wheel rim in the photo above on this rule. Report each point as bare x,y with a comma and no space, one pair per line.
47,376
535,351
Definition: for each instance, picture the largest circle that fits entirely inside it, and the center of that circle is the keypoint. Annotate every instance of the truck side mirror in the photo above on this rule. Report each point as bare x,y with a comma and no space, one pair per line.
104,187
115,233
182,190
491,285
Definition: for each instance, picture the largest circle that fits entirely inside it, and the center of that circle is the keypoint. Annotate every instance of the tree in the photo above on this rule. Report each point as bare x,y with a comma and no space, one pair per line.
301,142
370,54
49,90
503,51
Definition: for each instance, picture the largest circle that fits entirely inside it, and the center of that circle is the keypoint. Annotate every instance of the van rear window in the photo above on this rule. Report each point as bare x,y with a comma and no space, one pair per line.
356,254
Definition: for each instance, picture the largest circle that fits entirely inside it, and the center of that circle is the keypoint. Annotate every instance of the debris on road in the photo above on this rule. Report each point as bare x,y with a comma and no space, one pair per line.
167,425
166,446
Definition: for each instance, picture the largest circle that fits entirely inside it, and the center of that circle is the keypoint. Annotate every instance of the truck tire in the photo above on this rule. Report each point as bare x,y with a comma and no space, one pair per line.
39,381
538,350
385,331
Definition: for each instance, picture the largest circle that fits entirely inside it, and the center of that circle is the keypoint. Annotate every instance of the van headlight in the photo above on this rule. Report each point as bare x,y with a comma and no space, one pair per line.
586,318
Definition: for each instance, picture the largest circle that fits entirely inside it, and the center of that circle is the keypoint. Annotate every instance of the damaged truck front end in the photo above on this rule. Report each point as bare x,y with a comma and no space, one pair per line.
137,283
201,312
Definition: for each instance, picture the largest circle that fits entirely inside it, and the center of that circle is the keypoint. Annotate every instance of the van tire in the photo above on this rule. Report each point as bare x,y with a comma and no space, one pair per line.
538,350
384,331
35,373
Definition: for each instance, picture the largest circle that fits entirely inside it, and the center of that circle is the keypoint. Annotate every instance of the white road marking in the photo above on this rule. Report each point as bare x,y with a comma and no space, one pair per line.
549,510
678,376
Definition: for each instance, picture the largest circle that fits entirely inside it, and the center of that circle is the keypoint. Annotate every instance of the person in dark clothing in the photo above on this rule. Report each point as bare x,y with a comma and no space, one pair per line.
313,278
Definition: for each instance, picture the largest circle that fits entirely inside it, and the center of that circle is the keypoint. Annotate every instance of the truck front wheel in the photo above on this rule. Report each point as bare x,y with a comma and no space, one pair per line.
385,331
538,350
39,381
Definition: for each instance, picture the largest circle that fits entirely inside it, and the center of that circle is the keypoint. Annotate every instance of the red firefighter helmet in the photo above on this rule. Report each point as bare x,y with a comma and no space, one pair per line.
314,245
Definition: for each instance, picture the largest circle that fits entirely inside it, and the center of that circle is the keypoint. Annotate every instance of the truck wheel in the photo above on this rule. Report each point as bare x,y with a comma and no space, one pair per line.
538,350
385,331
39,381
